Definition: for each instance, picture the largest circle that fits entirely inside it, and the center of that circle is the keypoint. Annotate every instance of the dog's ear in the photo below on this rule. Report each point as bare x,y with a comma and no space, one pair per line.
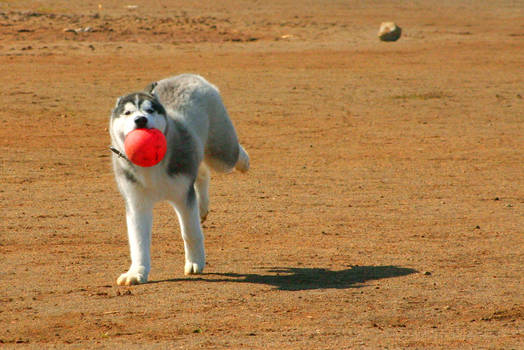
158,106
114,111
149,89
118,101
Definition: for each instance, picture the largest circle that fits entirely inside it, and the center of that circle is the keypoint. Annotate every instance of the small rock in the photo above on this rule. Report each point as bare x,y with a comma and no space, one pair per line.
389,31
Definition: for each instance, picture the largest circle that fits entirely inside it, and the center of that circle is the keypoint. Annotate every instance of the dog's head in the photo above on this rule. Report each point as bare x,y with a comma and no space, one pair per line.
138,110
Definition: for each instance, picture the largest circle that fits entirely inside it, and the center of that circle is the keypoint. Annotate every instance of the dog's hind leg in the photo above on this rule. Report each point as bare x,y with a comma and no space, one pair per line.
187,212
202,191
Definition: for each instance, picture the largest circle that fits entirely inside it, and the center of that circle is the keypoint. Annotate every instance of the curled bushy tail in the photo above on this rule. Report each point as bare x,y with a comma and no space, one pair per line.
199,104
243,160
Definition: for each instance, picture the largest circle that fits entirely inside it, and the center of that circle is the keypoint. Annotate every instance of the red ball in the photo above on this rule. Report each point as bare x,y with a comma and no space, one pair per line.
145,147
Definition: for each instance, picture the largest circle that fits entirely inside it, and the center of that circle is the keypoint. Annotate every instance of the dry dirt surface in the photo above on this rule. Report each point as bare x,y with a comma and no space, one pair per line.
385,204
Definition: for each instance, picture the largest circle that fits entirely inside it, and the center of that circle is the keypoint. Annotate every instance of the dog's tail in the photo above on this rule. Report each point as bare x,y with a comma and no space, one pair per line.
242,164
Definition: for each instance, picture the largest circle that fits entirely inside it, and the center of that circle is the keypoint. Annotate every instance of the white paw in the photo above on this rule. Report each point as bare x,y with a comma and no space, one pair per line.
193,268
203,215
131,278
203,208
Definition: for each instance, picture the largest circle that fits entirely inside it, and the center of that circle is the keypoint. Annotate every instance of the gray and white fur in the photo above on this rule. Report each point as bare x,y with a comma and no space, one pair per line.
200,136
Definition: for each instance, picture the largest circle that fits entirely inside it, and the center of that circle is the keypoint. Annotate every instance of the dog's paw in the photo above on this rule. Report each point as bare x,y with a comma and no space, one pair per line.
203,208
193,268
203,216
131,278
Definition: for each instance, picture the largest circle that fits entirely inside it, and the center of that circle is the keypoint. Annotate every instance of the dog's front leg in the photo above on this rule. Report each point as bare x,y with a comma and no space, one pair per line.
188,216
139,217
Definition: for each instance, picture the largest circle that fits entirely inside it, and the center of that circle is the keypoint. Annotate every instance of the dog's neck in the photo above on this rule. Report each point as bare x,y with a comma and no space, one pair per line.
118,153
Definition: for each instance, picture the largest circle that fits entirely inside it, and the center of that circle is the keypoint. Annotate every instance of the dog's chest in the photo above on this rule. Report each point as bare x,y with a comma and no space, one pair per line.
153,178
157,184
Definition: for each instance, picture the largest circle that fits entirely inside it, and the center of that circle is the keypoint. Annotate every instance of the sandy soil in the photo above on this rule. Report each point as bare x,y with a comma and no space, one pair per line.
383,209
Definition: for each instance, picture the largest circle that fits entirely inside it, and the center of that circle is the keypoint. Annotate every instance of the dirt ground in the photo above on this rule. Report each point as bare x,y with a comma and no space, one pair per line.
385,204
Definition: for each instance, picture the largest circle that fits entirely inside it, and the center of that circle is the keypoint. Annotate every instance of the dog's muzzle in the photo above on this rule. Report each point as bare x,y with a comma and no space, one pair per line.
141,122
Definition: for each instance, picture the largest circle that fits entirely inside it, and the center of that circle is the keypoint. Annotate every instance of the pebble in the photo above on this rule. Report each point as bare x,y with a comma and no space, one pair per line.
389,31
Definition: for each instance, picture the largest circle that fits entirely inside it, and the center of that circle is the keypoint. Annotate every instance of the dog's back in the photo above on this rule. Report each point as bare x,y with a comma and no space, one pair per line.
198,103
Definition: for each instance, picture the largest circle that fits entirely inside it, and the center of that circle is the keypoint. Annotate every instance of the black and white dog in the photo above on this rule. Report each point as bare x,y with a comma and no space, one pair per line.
191,114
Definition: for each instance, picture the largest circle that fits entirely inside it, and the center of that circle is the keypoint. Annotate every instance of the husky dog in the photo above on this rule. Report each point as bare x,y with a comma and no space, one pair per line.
191,114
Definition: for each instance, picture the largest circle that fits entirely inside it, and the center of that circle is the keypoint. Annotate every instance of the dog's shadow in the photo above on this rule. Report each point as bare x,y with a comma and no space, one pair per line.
304,278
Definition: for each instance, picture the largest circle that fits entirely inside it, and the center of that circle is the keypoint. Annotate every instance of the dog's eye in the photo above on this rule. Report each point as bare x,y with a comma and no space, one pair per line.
127,112
149,111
